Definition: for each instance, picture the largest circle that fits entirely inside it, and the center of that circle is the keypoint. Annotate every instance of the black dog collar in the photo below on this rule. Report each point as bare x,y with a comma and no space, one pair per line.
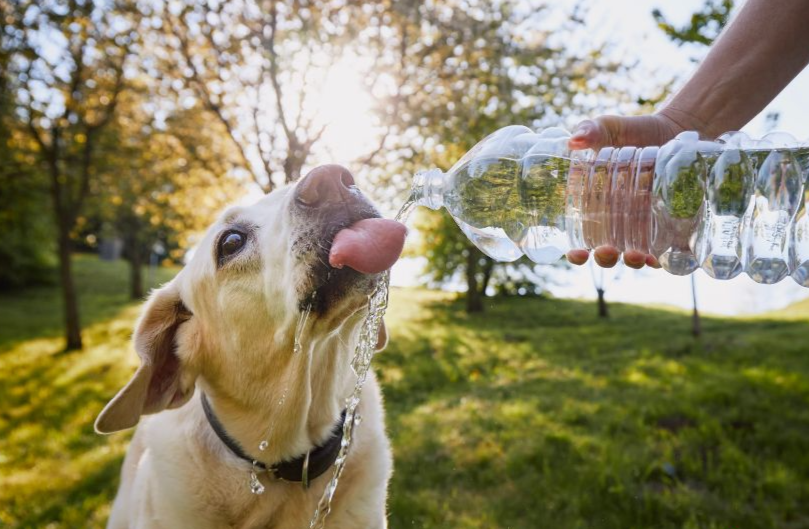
303,468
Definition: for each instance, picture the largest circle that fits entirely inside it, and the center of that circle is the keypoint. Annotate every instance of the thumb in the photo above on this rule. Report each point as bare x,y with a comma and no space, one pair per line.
601,132
620,131
587,135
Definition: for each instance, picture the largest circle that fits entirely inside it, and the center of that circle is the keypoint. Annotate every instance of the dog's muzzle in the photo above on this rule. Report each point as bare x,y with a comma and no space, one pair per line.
370,244
325,202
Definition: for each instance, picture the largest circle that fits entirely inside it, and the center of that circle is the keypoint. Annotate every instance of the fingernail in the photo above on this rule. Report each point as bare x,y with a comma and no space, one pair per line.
634,259
578,257
582,129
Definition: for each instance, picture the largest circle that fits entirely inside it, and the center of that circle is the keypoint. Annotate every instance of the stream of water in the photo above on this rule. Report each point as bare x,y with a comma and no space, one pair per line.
361,363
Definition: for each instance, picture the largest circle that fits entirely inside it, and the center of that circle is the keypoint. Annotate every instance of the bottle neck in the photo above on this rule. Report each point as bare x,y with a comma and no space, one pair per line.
428,188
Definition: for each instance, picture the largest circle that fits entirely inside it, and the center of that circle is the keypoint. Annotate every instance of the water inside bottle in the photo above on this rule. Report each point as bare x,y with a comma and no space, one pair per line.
778,196
728,190
508,207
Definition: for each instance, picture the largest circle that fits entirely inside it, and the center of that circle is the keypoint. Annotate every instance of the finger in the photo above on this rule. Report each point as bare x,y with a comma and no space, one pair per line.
634,259
586,136
606,131
606,256
637,131
578,257
651,260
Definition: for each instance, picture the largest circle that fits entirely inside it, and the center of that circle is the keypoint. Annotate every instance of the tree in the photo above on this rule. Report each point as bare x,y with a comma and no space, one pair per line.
69,60
703,27
448,253
160,182
26,254
257,67
601,290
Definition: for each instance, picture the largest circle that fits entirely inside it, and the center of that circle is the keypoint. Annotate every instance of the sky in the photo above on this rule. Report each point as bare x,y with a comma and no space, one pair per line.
629,24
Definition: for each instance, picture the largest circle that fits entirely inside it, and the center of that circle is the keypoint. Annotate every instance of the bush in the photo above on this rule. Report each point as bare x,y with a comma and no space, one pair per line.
27,253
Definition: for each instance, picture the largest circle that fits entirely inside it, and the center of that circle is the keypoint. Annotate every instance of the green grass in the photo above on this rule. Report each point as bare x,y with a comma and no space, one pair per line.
55,472
535,414
538,414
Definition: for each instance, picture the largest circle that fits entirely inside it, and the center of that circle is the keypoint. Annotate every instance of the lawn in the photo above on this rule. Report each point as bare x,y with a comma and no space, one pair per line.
535,414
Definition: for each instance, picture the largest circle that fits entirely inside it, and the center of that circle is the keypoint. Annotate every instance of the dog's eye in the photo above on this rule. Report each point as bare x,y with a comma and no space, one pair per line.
231,243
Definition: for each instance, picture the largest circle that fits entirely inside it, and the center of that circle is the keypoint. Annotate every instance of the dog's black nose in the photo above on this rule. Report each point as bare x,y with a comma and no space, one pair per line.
327,184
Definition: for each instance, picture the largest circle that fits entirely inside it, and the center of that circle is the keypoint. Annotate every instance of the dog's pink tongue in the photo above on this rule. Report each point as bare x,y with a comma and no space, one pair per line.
368,246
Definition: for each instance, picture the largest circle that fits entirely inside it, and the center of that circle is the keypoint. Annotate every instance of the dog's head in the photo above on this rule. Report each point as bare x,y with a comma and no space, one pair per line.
230,315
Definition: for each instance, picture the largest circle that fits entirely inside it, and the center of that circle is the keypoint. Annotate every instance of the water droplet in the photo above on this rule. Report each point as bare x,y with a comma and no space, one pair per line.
297,346
263,445
256,486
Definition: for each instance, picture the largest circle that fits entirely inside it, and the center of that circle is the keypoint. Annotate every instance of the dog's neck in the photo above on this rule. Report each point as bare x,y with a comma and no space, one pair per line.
292,409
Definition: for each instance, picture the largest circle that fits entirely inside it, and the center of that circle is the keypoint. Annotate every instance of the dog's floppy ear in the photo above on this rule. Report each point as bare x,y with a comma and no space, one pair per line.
382,337
160,382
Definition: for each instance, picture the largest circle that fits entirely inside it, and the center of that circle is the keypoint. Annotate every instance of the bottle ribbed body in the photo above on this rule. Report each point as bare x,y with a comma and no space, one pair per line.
728,206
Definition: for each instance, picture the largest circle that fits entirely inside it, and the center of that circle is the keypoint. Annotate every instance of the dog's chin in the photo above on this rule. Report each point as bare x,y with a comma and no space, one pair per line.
339,289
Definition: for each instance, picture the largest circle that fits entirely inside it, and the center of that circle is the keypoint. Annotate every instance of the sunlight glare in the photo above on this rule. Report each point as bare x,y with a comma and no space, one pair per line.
345,105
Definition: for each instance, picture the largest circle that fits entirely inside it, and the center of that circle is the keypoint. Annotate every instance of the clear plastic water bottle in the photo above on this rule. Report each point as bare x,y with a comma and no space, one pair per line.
727,206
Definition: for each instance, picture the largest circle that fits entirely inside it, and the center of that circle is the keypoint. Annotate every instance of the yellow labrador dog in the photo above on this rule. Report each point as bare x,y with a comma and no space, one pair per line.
219,374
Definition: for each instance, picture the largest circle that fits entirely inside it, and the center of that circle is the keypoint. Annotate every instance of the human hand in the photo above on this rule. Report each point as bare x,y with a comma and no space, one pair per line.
619,131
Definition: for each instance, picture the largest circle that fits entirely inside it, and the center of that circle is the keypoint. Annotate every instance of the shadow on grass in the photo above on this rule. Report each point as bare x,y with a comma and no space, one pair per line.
103,290
84,503
56,471
539,414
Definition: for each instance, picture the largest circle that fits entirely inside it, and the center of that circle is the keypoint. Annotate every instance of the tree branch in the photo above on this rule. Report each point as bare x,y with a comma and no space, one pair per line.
202,90
265,155
269,44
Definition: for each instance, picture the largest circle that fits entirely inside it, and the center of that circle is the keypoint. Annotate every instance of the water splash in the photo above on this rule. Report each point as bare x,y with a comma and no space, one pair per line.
361,363
406,209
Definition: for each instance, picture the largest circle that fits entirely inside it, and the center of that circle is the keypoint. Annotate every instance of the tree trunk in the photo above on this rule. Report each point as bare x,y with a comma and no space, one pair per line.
64,222
488,268
69,300
602,304
135,270
696,324
474,300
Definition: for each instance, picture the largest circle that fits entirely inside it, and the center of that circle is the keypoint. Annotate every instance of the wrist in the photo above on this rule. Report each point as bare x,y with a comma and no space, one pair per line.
674,120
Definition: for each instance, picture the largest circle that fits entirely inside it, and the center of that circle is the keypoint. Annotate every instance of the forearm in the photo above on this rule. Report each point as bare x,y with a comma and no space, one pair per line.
763,48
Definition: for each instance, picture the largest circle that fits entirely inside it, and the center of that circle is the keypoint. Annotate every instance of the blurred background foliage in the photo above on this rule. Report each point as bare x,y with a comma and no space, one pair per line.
134,121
